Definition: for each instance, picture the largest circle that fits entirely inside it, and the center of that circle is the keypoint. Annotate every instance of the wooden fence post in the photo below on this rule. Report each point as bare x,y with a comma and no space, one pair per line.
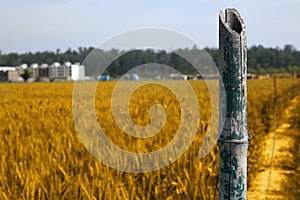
234,138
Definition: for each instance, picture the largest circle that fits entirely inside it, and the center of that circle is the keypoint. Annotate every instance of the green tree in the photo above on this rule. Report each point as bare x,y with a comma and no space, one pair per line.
26,75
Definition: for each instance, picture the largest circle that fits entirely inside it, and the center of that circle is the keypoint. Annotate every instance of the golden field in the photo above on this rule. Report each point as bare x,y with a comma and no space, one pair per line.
42,156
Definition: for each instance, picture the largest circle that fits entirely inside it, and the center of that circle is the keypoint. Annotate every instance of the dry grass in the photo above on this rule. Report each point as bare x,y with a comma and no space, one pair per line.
42,156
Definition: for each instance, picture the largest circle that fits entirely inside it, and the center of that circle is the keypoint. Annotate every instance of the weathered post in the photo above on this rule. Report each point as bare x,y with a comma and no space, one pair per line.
234,138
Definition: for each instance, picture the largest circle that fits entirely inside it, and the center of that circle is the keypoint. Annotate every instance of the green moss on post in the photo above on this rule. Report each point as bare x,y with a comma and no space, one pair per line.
234,139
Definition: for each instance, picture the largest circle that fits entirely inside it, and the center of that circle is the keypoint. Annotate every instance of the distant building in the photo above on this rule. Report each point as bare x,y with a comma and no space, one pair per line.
13,76
34,70
3,76
77,72
7,68
20,69
67,71
176,76
43,72
132,77
53,71
9,76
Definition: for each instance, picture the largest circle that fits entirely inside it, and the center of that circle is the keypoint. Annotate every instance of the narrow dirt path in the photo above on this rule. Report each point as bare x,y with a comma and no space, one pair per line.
280,180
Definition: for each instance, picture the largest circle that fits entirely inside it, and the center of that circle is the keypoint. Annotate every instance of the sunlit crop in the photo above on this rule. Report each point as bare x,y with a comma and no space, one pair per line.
42,156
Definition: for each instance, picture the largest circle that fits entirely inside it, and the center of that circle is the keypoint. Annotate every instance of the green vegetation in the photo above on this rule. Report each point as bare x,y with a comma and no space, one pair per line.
26,75
261,60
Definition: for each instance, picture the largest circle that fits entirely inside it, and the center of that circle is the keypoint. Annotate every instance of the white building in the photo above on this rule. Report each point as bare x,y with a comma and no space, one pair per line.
9,74
34,69
67,71
54,72
7,68
77,72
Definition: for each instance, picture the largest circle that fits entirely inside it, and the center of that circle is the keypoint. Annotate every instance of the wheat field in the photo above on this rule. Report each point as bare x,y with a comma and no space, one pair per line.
42,156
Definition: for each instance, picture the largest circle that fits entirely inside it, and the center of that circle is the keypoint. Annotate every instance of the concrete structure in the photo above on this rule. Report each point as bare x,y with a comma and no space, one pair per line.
7,68
77,72
43,72
67,71
234,138
9,76
34,70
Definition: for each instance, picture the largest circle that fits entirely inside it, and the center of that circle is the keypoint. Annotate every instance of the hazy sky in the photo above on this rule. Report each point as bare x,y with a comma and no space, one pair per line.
38,25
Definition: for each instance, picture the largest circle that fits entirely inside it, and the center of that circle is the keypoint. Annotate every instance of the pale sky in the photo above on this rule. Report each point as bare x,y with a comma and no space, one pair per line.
39,25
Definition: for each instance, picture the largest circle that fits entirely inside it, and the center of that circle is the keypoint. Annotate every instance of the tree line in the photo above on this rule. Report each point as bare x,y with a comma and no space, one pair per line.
260,59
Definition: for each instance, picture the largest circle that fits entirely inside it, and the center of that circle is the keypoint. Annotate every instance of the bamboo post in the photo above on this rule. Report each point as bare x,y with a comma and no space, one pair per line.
234,138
